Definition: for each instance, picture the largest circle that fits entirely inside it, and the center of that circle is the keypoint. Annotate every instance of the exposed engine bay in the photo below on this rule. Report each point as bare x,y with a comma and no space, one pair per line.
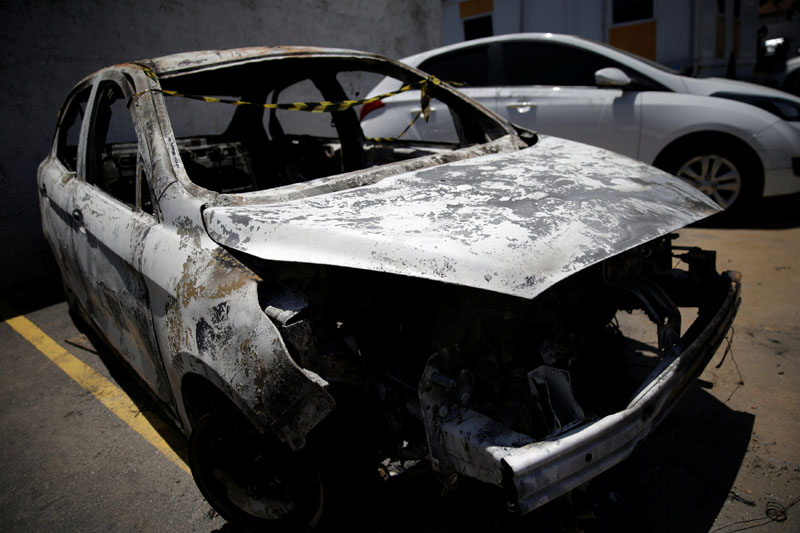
419,354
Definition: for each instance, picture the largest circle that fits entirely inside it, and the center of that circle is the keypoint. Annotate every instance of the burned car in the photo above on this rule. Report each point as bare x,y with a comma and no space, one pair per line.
298,295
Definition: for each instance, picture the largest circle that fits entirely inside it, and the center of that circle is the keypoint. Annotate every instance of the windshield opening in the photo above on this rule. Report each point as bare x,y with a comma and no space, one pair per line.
272,123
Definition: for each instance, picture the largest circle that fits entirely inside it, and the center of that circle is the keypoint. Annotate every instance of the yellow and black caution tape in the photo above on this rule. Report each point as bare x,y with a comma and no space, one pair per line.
149,73
410,124
313,107
316,107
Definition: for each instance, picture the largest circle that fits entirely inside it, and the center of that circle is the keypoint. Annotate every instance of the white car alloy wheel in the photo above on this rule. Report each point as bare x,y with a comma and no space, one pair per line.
714,176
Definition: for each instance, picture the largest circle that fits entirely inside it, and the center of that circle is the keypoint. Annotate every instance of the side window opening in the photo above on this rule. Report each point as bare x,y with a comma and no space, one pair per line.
112,150
216,140
552,64
527,63
69,129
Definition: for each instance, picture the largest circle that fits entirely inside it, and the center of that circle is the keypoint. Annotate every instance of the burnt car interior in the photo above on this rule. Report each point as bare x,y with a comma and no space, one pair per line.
259,149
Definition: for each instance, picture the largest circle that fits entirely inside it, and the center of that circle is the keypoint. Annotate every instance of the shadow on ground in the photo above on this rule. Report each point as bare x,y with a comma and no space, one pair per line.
137,391
779,212
677,480
46,295
29,299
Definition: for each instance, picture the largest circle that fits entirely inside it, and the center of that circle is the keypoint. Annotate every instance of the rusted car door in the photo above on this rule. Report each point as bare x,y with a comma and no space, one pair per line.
57,182
113,215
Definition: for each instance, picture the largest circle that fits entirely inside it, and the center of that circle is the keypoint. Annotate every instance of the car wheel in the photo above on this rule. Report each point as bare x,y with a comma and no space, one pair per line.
251,480
723,175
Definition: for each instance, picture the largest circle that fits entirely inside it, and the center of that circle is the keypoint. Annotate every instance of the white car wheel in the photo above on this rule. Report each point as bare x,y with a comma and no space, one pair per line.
715,176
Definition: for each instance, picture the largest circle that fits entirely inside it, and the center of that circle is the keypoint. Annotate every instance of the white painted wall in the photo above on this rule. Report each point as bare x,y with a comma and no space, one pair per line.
578,17
507,19
673,32
686,34
452,29
49,45
707,64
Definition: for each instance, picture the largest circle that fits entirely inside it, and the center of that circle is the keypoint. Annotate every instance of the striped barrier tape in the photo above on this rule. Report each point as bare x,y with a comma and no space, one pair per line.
315,107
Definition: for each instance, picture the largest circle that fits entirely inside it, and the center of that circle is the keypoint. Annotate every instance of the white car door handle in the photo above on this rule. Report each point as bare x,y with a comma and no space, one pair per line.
417,111
518,105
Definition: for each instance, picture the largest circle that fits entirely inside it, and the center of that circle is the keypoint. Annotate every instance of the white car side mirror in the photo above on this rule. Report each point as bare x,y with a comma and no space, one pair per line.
611,77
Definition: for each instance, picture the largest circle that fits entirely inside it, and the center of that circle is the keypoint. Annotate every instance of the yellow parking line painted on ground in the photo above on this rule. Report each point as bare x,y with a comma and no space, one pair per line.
101,388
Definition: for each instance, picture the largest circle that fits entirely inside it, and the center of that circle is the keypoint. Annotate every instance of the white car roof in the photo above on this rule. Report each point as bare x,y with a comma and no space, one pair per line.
651,69
674,81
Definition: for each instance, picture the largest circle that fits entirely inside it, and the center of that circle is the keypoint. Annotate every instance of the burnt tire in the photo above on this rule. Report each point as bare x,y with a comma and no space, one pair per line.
728,176
251,480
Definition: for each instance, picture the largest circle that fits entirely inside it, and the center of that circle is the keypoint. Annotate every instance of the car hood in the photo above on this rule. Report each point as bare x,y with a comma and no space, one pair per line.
514,223
709,86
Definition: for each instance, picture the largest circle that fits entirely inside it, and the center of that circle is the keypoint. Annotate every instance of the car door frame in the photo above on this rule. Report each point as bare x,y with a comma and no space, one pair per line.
57,183
108,246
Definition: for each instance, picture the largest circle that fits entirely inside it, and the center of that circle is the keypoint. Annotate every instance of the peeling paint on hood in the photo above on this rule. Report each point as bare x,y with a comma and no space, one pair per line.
514,223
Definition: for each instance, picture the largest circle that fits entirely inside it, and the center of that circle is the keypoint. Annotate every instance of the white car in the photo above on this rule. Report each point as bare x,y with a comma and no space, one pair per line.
306,303
791,83
734,141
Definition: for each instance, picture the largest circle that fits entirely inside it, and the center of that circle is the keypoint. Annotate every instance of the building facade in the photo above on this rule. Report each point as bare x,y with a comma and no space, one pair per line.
702,37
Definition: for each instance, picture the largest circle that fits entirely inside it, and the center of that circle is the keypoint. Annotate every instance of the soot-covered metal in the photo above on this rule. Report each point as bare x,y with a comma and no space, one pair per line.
298,295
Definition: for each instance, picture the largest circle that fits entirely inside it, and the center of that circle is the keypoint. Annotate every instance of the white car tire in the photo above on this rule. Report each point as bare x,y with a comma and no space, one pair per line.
726,175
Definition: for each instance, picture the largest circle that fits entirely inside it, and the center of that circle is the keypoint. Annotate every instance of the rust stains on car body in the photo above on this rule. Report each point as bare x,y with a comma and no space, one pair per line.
456,296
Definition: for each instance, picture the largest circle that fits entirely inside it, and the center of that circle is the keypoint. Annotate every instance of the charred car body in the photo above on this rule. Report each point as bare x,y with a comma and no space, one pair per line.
276,278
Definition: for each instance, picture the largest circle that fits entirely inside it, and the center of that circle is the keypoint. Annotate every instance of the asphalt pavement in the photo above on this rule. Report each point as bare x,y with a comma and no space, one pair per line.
726,458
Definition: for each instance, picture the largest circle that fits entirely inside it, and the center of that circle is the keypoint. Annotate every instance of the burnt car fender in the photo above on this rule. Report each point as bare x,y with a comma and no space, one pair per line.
214,328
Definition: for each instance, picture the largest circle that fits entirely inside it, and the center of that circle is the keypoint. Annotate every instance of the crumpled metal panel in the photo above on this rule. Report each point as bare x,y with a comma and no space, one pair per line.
514,223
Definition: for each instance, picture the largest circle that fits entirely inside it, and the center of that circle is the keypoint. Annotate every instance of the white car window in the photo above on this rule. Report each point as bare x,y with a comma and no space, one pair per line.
535,63
469,67
70,128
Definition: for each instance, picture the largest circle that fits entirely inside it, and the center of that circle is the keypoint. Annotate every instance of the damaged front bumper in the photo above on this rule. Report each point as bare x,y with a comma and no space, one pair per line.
466,443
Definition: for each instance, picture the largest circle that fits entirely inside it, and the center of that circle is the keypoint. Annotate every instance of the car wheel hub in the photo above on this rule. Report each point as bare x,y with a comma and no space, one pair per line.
252,478
714,176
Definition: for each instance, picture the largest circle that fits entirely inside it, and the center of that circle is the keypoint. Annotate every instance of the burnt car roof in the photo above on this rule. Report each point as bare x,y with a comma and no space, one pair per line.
194,61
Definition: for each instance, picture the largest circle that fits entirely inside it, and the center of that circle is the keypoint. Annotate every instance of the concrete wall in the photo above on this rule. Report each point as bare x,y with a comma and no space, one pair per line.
49,45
